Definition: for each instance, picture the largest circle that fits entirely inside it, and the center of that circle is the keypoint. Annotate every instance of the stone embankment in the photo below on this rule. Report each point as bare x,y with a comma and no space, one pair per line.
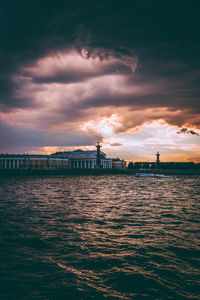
8,173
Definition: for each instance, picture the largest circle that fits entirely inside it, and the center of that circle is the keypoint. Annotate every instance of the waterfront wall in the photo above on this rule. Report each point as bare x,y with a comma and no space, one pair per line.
72,172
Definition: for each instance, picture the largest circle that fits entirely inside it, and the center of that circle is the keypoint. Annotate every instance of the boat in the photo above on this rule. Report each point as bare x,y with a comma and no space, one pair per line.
148,173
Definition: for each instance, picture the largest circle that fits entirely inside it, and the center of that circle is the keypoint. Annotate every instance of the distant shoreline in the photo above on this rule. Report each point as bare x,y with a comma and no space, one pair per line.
16,173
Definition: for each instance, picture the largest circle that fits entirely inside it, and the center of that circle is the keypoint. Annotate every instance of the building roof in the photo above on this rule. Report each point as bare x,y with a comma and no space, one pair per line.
79,153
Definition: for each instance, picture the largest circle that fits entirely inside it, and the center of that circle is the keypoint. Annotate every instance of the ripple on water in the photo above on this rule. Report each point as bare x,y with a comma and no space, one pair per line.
100,237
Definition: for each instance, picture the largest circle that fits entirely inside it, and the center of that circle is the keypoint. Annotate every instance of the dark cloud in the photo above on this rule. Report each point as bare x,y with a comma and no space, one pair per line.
187,131
164,36
18,138
74,76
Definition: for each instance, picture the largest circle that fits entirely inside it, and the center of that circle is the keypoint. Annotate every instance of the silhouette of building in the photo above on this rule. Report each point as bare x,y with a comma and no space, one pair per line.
118,163
32,162
89,159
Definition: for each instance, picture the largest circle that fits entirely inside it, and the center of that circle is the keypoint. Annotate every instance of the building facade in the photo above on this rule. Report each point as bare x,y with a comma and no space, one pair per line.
80,159
118,163
32,162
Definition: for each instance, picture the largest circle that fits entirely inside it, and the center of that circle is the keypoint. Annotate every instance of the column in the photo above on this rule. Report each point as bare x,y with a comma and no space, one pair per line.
18,164
84,164
13,164
92,164
9,163
5,164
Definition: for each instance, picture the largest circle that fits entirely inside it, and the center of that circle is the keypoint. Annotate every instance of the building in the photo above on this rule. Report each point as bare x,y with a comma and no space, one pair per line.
118,163
78,159
58,163
88,159
164,165
32,162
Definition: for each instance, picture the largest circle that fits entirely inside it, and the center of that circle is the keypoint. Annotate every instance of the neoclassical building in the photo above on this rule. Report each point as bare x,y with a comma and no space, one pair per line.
32,162
80,159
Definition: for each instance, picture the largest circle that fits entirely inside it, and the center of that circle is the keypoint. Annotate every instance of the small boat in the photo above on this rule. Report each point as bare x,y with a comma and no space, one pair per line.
161,176
147,173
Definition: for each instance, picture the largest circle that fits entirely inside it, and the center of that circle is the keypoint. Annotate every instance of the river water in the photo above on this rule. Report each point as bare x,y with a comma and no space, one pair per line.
100,237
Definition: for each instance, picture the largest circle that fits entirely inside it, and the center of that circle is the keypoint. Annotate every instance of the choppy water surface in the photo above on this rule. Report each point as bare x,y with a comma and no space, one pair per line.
113,237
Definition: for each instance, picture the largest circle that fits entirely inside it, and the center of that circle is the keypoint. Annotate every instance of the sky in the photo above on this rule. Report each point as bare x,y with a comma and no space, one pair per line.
126,73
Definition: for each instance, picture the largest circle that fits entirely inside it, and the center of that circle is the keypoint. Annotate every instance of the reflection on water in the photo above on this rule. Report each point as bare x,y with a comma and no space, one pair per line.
113,236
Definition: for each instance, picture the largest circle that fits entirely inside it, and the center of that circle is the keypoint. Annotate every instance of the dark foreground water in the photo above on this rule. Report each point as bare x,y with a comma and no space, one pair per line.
96,237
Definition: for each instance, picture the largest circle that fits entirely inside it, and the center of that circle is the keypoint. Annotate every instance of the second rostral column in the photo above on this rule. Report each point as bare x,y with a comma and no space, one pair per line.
98,162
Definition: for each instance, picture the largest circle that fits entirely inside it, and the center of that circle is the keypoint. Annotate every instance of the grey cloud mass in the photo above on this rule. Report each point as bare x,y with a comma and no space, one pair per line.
150,47
19,138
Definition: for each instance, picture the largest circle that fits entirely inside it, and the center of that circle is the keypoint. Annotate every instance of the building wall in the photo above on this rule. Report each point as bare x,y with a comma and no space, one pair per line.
12,163
118,164
58,163
89,163
36,164
28,162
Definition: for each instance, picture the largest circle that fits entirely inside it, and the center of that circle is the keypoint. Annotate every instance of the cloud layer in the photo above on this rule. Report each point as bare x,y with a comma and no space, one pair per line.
64,66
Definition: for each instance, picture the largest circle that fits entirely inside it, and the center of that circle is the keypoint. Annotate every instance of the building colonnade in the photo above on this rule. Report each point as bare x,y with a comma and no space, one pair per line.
14,163
33,163
89,164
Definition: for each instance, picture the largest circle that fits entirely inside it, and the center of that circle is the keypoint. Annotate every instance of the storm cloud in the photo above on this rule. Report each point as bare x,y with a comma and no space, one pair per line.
65,64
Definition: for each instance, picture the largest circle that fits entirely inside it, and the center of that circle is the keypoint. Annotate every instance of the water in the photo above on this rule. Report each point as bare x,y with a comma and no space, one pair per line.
100,237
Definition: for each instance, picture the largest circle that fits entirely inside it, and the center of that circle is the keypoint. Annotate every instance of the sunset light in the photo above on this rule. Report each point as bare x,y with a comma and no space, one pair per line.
99,149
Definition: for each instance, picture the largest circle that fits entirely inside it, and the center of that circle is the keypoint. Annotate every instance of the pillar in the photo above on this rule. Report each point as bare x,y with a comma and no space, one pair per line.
92,164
